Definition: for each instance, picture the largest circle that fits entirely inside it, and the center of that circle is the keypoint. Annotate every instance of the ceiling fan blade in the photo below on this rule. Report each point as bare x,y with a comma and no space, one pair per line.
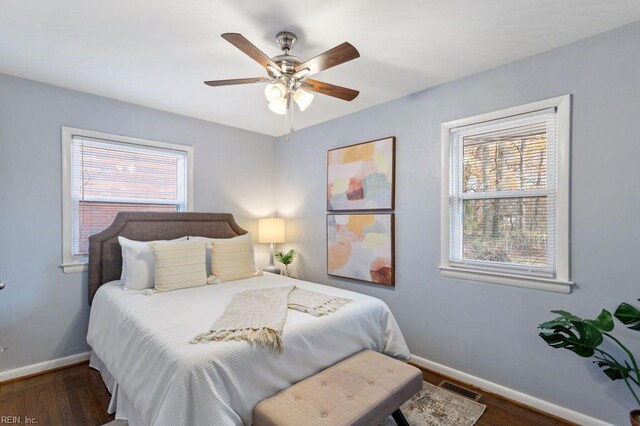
239,41
330,90
332,57
215,83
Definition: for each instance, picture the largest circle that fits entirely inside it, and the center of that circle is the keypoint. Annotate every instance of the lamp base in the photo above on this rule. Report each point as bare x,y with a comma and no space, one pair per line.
272,267
272,270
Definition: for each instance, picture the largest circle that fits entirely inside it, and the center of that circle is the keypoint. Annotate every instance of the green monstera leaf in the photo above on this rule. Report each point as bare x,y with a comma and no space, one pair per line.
614,370
582,338
564,320
567,315
629,316
603,322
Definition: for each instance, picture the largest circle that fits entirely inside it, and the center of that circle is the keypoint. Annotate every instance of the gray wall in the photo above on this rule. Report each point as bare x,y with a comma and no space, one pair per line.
43,312
484,329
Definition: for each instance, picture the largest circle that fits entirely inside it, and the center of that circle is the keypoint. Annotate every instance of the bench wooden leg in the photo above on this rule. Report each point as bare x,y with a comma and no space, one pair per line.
399,418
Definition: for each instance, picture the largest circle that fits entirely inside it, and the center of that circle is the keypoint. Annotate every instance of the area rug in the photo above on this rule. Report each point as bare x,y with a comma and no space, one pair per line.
432,406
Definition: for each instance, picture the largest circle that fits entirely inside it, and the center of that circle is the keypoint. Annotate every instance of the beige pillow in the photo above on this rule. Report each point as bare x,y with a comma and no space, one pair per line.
232,259
179,265
210,241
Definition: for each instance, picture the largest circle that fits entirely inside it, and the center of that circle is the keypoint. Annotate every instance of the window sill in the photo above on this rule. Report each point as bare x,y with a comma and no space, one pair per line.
72,268
535,283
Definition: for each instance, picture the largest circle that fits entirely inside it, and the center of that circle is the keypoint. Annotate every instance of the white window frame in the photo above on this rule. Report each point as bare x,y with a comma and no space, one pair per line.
71,263
560,281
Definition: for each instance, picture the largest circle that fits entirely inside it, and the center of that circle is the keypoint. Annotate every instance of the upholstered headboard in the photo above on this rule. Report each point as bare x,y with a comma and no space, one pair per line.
105,254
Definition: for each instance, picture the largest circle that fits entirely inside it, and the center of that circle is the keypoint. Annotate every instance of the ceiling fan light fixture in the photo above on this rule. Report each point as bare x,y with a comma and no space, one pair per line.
303,98
275,92
279,107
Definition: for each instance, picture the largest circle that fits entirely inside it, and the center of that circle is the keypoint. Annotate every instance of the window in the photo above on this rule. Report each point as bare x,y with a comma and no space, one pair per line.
105,174
505,201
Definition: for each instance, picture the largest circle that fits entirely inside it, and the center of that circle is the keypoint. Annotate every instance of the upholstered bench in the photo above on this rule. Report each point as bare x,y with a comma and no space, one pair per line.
361,390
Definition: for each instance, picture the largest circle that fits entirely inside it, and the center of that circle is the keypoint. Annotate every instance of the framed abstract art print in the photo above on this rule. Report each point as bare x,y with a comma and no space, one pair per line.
361,176
361,247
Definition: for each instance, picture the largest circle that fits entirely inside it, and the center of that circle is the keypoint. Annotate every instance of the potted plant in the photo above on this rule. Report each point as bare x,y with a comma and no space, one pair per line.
585,338
286,258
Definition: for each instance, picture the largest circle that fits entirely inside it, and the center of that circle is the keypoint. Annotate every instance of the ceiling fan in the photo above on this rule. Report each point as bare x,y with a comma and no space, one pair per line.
288,75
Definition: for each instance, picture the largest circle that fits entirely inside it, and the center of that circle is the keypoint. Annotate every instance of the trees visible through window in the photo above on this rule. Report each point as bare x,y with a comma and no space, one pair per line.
505,196
503,213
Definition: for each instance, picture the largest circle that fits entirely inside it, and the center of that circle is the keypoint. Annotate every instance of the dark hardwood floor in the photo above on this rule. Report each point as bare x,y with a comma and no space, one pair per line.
77,396
66,397
501,411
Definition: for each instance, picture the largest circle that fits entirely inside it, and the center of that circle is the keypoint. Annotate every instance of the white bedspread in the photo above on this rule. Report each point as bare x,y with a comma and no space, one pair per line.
144,342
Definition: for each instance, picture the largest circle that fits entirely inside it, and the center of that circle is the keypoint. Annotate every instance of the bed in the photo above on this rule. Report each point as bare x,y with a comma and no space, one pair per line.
140,339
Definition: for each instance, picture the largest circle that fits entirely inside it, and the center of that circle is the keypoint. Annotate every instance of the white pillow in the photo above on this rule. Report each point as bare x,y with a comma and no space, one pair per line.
137,263
210,241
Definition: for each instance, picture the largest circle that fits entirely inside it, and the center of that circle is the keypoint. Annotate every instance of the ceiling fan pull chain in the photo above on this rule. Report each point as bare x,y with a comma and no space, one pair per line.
290,128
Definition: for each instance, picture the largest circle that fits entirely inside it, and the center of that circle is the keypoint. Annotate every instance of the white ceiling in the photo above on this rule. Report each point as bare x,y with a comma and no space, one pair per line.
157,53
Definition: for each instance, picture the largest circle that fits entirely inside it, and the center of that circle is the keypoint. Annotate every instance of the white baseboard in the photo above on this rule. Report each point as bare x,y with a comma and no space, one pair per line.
531,401
43,366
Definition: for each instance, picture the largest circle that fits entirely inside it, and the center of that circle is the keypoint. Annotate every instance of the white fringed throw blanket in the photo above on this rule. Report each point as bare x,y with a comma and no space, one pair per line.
259,315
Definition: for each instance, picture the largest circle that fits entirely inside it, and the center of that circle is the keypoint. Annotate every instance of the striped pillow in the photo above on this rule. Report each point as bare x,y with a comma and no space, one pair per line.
232,259
179,265
210,241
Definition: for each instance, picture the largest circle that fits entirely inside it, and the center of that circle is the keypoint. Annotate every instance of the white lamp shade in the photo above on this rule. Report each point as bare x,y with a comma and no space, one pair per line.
279,107
271,230
303,98
275,92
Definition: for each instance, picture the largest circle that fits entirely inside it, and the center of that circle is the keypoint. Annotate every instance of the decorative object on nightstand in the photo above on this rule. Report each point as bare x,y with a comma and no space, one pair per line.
271,231
286,258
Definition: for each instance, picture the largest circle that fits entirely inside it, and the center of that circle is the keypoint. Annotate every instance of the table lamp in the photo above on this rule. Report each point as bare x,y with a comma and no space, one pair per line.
271,231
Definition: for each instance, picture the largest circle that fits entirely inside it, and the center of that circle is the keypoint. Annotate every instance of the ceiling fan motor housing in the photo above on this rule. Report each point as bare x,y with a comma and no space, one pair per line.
286,62
285,40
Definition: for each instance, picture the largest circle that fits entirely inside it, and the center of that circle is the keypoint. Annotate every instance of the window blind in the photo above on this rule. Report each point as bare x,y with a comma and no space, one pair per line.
109,177
503,194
